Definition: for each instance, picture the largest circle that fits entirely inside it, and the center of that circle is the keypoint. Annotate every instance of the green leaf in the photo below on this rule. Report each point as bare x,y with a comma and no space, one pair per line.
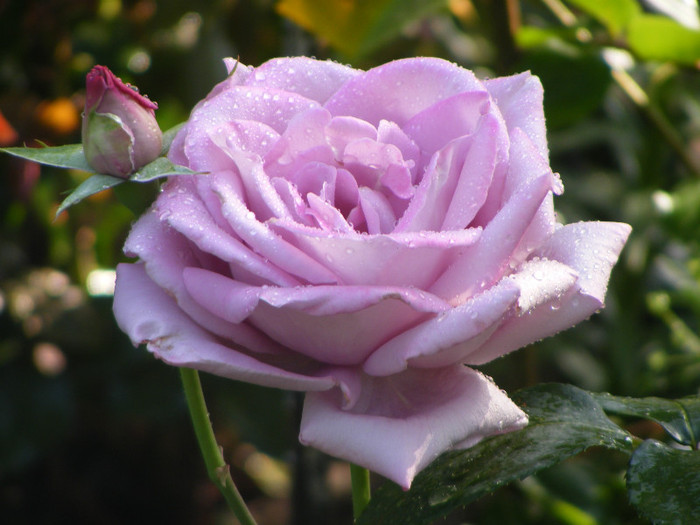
158,169
69,156
575,81
614,14
654,37
664,483
168,138
564,420
358,27
679,417
90,186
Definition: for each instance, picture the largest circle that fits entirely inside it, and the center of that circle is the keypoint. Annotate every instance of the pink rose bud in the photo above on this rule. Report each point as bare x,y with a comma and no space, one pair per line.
120,132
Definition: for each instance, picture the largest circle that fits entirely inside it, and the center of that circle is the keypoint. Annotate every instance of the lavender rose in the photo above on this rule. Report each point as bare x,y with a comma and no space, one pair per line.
361,236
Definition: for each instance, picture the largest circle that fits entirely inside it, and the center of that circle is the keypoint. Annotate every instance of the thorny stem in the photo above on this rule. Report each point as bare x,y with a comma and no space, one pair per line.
217,469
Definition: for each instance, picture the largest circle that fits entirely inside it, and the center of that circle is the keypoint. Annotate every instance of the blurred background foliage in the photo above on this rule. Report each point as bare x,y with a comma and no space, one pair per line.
93,430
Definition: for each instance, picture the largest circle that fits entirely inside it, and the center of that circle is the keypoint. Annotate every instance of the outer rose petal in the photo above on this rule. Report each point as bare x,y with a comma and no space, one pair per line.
147,240
589,248
317,321
421,82
148,315
239,103
446,338
519,98
313,79
402,423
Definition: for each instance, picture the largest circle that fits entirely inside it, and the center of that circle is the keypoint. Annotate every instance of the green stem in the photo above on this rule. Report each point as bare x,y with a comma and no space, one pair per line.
635,92
360,489
217,469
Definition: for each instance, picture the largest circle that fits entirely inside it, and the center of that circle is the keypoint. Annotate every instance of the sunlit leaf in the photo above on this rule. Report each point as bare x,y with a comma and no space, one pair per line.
356,27
564,420
614,14
664,483
69,156
679,417
655,37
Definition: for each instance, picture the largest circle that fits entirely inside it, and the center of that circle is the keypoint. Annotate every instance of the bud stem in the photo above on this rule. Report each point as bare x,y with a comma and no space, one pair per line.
217,469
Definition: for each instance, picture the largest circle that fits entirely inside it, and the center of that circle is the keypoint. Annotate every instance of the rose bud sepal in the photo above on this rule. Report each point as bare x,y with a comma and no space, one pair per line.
120,133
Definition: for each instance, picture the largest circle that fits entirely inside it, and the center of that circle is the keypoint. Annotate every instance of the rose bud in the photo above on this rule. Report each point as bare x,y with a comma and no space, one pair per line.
120,132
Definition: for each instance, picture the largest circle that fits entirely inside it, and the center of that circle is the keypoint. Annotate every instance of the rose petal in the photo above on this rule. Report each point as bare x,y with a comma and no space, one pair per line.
525,164
447,120
260,195
266,243
303,141
400,424
342,131
448,337
591,250
240,103
148,315
317,321
391,133
328,217
519,99
421,82
314,79
187,214
239,135
291,197
473,184
149,239
378,214
485,263
409,259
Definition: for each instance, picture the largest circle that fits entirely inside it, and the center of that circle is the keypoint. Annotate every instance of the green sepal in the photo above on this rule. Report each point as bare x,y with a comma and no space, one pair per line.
158,169
88,187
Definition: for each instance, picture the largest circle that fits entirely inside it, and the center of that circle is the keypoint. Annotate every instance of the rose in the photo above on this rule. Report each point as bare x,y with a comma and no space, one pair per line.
361,236
120,133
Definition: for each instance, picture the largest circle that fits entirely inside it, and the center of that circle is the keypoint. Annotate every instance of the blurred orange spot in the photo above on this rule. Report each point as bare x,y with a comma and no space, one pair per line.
57,220
8,135
60,115
462,9
102,196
